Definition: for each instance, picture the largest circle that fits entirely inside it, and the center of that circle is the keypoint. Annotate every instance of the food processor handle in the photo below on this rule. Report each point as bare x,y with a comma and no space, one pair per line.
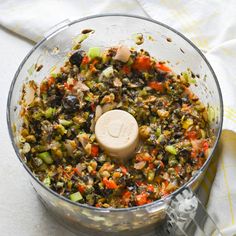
183,209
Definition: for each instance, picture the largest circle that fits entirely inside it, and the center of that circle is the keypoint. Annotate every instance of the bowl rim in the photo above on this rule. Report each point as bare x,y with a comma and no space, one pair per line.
156,203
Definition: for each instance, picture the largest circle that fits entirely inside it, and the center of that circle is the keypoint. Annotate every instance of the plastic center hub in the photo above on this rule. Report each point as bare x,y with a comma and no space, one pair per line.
117,133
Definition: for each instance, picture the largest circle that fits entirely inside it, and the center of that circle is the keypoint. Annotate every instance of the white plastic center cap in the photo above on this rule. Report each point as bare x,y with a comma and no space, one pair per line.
114,128
117,133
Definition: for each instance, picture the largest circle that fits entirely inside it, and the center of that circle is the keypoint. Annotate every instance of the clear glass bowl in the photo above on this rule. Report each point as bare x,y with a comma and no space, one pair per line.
162,42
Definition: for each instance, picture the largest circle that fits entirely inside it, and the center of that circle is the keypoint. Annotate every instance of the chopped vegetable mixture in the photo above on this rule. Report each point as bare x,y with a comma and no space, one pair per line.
59,145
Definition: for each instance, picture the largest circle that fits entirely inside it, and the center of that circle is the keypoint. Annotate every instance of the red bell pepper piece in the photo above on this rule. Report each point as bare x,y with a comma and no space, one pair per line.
163,67
110,184
94,151
158,86
141,199
142,63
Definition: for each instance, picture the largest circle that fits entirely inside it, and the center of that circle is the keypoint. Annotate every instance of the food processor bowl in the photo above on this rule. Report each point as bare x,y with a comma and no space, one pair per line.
163,43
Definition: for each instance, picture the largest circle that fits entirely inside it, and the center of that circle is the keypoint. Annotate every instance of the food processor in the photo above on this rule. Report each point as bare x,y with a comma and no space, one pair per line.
176,214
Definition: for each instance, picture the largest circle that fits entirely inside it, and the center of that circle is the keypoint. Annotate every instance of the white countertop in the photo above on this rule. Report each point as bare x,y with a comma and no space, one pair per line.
21,212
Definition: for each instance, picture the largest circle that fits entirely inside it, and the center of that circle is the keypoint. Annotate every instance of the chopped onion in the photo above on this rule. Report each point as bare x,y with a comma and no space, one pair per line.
26,148
80,167
98,112
29,94
88,148
140,165
171,187
69,146
84,139
54,145
108,72
81,86
108,107
92,126
196,144
122,53
117,82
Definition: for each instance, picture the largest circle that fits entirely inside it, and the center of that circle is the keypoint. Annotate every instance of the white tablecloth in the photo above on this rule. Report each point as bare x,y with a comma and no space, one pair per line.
21,213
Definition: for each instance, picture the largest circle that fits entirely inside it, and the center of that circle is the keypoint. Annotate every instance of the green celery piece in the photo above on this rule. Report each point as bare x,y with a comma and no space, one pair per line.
60,184
54,75
61,129
211,114
80,38
158,131
171,149
88,99
37,115
50,112
142,93
46,157
94,52
65,122
188,77
47,181
161,138
31,70
75,197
